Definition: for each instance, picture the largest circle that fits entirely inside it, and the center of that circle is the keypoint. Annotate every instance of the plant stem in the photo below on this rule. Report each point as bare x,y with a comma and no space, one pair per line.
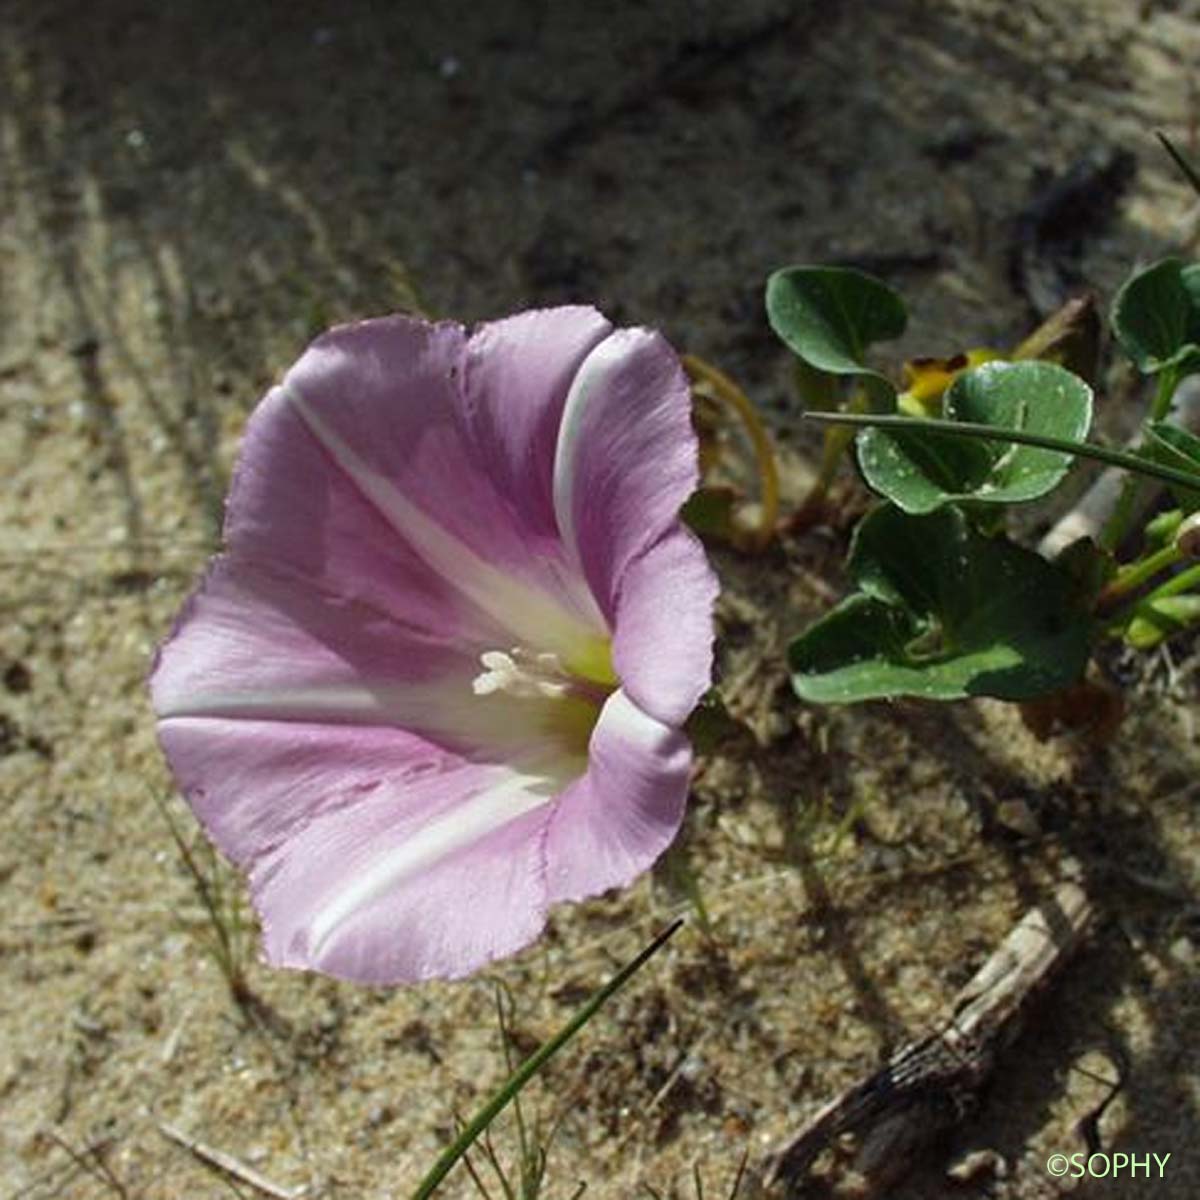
729,393
1168,381
534,1063
1189,172
1177,584
1183,582
1118,524
1117,458
836,443
1134,574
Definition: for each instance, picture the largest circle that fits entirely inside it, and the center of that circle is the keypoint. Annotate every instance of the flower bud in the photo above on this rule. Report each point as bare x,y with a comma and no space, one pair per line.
1188,537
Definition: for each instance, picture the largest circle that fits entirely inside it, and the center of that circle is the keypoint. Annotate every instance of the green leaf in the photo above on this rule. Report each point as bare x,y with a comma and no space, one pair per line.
1156,318
920,470
1181,447
1127,461
1176,447
828,316
943,612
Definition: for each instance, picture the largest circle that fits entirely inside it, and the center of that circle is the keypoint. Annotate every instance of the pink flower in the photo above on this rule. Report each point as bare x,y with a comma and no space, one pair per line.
436,682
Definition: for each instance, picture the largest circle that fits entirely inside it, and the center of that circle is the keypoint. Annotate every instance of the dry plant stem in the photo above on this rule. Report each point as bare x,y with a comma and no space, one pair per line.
231,1166
930,1085
90,1159
95,1146
699,371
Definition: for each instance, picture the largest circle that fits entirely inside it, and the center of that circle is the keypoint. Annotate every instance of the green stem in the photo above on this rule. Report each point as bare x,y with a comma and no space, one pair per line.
1168,381
533,1064
1116,458
836,442
1121,517
1183,582
833,448
1133,575
1174,586
1117,526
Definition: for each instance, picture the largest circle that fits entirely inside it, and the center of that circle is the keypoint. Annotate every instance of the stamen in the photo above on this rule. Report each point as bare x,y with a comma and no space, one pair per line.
522,674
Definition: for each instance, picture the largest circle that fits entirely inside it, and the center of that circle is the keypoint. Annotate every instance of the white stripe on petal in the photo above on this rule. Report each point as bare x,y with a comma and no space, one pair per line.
403,704
448,712
605,359
632,724
529,614
467,823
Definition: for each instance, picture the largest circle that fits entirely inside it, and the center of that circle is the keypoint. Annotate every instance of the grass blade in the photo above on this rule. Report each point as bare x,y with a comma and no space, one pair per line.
1189,172
534,1063
1116,458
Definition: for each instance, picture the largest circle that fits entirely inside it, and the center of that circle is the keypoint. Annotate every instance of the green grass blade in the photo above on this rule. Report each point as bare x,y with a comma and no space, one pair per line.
1116,458
534,1063
1189,172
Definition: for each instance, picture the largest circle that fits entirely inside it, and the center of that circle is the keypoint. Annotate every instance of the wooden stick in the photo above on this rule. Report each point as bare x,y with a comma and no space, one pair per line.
930,1085
230,1165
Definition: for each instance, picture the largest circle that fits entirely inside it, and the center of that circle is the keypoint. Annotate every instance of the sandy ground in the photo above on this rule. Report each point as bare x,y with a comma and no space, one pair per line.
189,193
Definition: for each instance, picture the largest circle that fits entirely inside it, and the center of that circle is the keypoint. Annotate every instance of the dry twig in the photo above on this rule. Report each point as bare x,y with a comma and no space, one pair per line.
930,1085
231,1166
91,1159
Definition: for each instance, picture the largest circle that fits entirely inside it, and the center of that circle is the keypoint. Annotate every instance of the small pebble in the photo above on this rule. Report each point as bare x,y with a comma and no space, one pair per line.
1017,816
977,1164
1183,951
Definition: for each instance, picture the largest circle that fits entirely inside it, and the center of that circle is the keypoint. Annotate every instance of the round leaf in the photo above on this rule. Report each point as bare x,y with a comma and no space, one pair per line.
921,471
828,316
943,612
1156,318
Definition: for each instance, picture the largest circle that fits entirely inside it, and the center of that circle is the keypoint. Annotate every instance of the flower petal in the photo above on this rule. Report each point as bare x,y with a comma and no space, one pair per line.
663,644
519,371
610,826
253,645
294,512
626,458
372,856
384,400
